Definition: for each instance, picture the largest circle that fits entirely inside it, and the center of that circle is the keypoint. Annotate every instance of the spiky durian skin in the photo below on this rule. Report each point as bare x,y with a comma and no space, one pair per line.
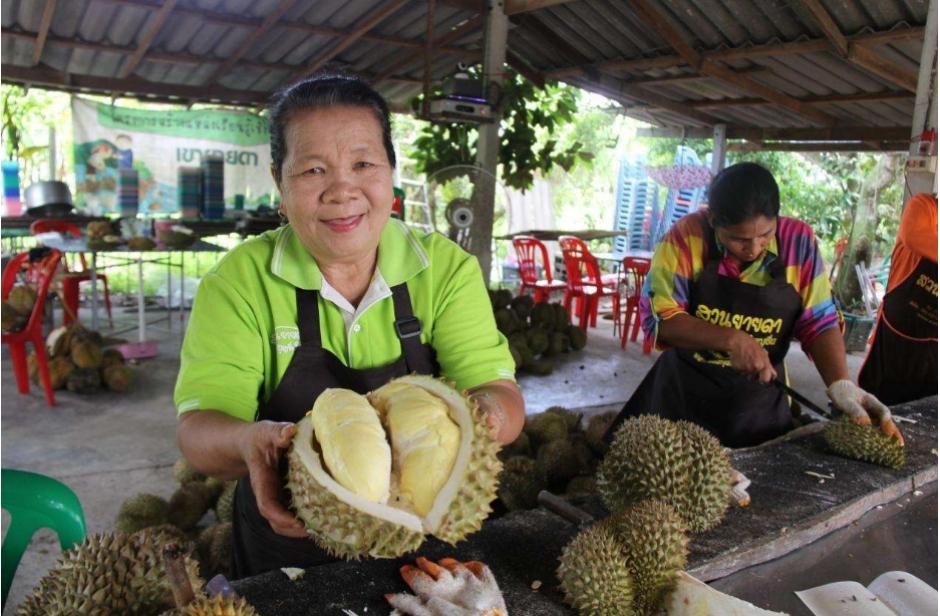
140,512
652,539
339,528
594,575
572,419
472,504
215,606
706,500
225,502
520,483
345,531
108,574
676,462
559,461
184,472
867,443
546,427
188,504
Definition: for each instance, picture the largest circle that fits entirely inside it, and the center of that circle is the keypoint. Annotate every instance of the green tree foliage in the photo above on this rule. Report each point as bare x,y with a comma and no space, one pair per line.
529,143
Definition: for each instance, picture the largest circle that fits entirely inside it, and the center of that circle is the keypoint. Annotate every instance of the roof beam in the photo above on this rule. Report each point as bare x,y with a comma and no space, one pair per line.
269,22
863,57
240,21
456,34
652,15
624,91
44,23
820,146
829,27
174,58
739,53
860,97
831,133
514,7
875,63
366,24
50,78
153,28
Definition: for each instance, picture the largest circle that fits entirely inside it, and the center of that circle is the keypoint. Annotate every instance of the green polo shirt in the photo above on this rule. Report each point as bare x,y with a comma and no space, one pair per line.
243,329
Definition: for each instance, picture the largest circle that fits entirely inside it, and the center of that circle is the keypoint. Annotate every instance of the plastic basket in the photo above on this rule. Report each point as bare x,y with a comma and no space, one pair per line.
857,329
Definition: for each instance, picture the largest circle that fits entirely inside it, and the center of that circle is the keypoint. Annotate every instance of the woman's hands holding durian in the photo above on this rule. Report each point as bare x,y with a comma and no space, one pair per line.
502,405
261,449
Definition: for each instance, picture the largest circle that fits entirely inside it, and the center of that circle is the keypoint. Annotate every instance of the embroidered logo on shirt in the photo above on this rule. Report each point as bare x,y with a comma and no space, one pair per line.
286,338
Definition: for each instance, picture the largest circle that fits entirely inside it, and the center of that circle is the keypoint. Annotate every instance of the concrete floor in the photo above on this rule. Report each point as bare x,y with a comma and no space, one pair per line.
108,446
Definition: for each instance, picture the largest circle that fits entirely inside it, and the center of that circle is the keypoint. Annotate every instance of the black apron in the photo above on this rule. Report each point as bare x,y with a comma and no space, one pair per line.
257,548
700,386
902,363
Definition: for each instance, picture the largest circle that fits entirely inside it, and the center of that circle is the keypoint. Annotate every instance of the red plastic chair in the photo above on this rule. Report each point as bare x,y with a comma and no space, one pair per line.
634,270
528,252
70,282
43,273
585,285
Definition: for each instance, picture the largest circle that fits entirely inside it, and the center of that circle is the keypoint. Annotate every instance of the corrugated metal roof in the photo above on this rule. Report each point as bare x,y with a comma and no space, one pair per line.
90,41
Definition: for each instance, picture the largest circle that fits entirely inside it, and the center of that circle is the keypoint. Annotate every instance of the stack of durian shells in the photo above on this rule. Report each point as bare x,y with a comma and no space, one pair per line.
78,362
184,513
559,451
17,308
536,332
100,235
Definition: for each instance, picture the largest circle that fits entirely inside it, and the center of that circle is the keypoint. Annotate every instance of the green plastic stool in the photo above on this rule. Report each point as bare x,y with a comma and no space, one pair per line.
36,501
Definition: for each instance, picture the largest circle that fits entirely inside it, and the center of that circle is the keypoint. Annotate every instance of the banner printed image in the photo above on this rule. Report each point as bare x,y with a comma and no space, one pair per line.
156,144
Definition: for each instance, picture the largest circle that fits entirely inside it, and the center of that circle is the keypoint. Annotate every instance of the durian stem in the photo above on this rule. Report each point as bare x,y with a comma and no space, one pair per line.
564,509
174,559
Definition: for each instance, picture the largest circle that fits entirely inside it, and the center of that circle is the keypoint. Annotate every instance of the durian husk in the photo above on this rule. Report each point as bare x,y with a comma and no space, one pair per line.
350,531
86,354
117,377
83,380
520,483
112,357
140,512
676,462
141,242
11,320
546,427
109,573
866,443
215,550
653,541
183,472
188,504
22,298
225,502
594,575
215,606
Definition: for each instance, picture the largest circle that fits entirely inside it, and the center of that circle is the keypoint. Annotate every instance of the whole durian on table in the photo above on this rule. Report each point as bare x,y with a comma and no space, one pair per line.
546,427
140,512
360,496
559,461
625,564
597,427
676,462
867,443
107,574
225,502
520,483
215,606
594,575
188,504
572,419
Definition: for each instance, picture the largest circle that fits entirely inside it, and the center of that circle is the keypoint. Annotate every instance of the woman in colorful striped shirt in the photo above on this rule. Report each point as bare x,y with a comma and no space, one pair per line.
728,289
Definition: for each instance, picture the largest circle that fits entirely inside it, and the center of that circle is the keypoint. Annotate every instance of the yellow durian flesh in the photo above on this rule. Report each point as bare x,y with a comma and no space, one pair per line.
425,442
353,444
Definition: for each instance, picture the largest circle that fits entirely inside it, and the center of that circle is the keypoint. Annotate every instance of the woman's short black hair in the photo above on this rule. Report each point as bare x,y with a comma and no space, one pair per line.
742,192
324,89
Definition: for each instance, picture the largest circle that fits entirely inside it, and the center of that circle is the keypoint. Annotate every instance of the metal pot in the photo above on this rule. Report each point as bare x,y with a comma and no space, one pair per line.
48,198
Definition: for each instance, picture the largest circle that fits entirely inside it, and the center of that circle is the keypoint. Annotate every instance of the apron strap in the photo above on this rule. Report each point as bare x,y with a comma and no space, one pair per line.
308,317
408,330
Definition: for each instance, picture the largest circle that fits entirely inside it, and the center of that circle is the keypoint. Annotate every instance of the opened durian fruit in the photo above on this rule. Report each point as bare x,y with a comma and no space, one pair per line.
372,475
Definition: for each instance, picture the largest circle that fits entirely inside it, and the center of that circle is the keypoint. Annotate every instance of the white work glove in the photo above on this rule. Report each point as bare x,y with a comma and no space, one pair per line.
449,588
861,407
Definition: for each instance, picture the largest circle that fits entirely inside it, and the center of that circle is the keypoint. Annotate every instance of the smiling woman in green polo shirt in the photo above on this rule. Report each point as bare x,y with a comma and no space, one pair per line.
343,296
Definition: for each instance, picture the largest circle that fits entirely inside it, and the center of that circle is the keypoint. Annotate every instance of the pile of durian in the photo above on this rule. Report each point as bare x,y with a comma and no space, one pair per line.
78,362
536,332
112,574
372,475
17,308
180,516
556,451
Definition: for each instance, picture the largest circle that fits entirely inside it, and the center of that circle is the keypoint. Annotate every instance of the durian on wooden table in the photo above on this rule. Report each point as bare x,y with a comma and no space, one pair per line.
789,510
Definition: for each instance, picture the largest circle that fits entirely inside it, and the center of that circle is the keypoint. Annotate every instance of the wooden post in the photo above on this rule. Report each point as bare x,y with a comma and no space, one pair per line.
719,147
494,59
925,107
